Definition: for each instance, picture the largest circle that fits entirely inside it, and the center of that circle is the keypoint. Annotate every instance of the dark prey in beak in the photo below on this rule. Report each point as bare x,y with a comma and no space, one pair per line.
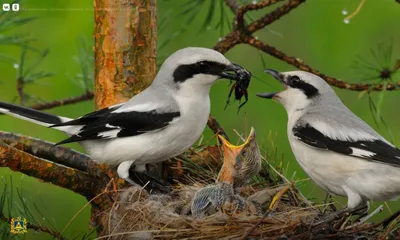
240,86
277,75
235,72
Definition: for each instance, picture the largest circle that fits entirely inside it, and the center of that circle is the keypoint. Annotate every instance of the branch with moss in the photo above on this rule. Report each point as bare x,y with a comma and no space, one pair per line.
49,171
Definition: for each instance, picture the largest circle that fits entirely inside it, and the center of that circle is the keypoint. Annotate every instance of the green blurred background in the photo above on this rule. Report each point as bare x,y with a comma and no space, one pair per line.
315,33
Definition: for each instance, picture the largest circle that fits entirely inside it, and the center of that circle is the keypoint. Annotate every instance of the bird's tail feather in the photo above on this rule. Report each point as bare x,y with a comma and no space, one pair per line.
31,115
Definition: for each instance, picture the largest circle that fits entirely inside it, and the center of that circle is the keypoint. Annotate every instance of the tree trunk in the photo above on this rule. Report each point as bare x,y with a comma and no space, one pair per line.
125,49
125,55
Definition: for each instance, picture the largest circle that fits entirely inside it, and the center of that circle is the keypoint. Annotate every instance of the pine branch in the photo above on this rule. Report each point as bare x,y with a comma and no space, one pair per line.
35,227
233,5
255,6
62,102
80,182
48,151
273,16
242,34
302,66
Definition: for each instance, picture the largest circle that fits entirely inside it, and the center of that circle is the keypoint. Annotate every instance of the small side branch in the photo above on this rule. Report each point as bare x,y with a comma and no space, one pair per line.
62,102
233,5
302,66
20,90
255,6
273,16
216,127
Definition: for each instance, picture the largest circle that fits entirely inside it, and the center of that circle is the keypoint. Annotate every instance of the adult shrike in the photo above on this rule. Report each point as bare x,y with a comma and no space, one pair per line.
339,151
161,122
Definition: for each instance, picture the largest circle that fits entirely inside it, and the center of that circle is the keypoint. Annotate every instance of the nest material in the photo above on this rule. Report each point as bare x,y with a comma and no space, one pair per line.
139,215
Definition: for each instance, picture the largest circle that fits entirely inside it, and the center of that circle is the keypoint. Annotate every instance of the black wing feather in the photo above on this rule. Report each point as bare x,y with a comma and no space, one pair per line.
96,125
380,150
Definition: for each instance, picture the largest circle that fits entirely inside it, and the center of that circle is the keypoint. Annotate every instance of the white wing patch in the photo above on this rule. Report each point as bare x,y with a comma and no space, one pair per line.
342,133
3,110
136,108
361,153
109,134
111,126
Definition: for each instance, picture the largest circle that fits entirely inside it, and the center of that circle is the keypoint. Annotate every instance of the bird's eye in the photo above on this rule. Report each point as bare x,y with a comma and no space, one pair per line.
244,153
294,81
202,64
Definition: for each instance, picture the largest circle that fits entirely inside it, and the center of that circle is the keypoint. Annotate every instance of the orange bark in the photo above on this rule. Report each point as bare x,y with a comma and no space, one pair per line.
80,182
125,49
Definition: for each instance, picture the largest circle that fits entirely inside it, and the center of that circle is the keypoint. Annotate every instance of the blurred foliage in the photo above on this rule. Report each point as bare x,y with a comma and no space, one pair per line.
315,33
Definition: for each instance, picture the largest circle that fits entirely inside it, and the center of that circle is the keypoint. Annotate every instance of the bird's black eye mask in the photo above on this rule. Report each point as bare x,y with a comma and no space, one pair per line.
295,82
187,71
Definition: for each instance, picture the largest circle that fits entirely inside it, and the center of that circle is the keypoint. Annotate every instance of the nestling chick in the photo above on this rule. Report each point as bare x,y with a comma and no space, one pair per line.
241,163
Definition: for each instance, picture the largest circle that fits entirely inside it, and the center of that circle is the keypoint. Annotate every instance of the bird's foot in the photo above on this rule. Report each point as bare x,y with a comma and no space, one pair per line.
153,183
130,181
240,202
338,214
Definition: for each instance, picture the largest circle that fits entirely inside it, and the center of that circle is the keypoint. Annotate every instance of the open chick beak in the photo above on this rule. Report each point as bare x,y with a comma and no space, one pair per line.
235,72
233,150
278,76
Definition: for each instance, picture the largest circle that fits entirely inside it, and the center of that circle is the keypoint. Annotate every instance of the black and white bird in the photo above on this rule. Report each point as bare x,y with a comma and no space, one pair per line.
339,151
161,122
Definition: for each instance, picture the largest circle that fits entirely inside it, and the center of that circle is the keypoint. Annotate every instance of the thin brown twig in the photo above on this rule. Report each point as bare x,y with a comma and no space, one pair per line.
36,227
273,16
20,90
302,66
62,102
216,127
254,6
233,5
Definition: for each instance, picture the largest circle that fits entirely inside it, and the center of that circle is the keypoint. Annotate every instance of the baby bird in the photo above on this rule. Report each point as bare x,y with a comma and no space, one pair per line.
240,164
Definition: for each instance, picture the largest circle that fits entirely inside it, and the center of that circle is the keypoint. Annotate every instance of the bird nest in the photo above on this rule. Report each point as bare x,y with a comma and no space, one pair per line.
283,212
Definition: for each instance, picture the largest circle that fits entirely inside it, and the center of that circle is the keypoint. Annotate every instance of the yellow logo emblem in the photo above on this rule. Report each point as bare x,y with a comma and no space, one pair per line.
19,225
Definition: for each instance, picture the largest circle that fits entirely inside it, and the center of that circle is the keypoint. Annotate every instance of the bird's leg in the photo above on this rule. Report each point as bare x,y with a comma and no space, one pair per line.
150,180
123,172
327,198
240,202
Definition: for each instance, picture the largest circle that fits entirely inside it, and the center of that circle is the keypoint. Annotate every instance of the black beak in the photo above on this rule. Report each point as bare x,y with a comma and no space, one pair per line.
266,94
278,76
235,72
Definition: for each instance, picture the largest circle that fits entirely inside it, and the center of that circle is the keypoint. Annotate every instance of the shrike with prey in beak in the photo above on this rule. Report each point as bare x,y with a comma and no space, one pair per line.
161,122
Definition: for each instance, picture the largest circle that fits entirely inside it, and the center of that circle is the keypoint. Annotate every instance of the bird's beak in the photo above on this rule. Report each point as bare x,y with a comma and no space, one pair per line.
235,72
231,153
278,76
229,147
